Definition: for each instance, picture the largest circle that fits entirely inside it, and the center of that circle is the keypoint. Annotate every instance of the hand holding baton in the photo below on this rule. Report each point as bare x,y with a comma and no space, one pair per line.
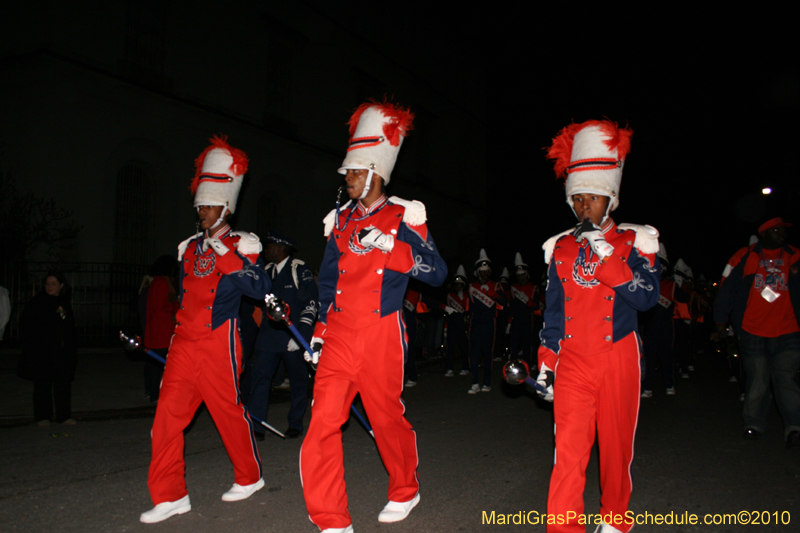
135,343
278,310
517,372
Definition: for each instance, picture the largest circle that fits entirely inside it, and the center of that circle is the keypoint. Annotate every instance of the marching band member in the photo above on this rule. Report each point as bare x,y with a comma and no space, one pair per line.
600,275
217,266
486,299
456,323
375,244
524,302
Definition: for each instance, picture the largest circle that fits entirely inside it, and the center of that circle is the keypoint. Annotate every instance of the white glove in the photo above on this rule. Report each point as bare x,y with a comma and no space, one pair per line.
544,383
316,345
449,310
215,245
591,232
374,237
249,243
292,346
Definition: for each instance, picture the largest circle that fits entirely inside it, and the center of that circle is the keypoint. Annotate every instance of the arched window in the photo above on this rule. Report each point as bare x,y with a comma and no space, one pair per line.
133,219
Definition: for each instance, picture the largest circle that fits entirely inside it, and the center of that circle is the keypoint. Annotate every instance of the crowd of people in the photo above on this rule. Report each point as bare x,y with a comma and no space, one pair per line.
611,319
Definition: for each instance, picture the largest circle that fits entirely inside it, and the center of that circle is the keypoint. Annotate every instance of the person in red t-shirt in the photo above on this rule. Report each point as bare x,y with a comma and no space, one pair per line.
162,304
759,296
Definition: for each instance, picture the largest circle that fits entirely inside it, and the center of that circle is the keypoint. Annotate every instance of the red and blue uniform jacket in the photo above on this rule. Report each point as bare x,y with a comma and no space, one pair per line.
747,273
591,304
486,299
210,286
458,301
363,285
524,300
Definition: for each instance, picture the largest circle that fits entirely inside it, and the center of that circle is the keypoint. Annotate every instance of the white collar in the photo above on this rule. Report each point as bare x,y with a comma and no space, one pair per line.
280,265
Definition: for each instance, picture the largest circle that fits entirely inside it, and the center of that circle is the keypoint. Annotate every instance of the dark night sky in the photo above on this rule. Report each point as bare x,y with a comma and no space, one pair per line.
713,100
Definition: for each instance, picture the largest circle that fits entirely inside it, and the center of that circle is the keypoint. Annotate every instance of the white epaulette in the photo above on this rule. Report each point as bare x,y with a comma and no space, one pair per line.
549,245
328,222
182,246
330,219
415,214
296,263
293,265
646,237
248,244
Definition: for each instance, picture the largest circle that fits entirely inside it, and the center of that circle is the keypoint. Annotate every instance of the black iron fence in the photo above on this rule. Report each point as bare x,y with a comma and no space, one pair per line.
104,297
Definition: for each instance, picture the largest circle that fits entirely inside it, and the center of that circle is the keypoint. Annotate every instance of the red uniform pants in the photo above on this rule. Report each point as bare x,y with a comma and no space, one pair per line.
594,391
203,370
368,361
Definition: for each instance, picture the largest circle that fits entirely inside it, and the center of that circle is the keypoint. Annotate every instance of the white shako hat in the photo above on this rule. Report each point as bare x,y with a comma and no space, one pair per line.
483,262
683,269
376,134
220,172
519,264
461,275
504,274
591,156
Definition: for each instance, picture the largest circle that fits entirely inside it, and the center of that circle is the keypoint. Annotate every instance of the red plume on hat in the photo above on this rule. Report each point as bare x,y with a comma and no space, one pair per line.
399,121
560,151
590,156
237,168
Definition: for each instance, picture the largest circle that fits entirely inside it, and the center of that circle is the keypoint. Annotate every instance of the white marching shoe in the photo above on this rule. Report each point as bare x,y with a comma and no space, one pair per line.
348,529
164,510
396,511
239,492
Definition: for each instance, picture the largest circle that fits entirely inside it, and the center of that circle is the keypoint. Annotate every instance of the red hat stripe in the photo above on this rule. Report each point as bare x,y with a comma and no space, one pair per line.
600,163
560,151
363,142
237,168
400,120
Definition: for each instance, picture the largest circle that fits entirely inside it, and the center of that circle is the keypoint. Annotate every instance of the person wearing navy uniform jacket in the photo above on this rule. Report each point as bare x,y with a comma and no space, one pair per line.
599,276
524,302
657,330
457,310
486,298
217,267
375,244
502,348
293,282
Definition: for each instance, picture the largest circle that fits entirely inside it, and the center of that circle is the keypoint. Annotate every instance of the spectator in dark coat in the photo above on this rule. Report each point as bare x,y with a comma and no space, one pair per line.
49,352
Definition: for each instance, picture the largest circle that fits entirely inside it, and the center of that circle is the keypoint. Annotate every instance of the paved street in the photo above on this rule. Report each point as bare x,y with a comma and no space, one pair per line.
482,453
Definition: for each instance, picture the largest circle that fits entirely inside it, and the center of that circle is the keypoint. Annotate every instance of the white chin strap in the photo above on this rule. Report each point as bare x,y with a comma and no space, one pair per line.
367,185
220,219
